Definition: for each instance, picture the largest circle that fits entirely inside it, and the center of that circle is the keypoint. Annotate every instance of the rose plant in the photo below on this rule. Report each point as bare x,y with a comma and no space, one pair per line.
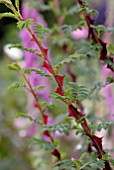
43,69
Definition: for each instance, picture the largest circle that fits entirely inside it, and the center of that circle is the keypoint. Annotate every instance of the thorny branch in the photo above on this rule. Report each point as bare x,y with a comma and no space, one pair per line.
96,142
73,112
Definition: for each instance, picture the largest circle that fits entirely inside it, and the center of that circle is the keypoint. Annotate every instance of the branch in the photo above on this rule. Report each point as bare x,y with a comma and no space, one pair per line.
96,142
55,152
95,38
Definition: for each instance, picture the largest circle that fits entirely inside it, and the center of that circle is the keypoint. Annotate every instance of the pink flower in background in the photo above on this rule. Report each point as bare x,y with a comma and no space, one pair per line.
20,122
31,130
80,34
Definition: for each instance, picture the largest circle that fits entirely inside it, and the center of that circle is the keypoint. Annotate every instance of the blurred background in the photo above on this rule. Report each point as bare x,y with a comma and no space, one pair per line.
16,151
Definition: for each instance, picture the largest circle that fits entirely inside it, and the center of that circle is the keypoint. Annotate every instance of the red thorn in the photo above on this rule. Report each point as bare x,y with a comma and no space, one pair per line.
98,140
58,91
56,153
60,79
103,52
46,133
46,65
45,51
46,119
36,105
71,113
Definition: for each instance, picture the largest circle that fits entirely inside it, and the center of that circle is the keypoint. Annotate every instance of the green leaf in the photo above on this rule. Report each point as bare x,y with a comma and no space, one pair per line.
109,29
64,164
79,92
106,157
17,4
70,58
85,4
89,161
20,46
7,14
37,71
99,28
68,28
46,105
5,1
110,63
80,120
24,24
41,31
44,144
111,49
19,115
86,165
97,86
8,3
62,127
112,161
104,125
15,86
38,88
54,95
26,116
69,164
110,80
14,66
94,155
102,28
100,164
89,11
